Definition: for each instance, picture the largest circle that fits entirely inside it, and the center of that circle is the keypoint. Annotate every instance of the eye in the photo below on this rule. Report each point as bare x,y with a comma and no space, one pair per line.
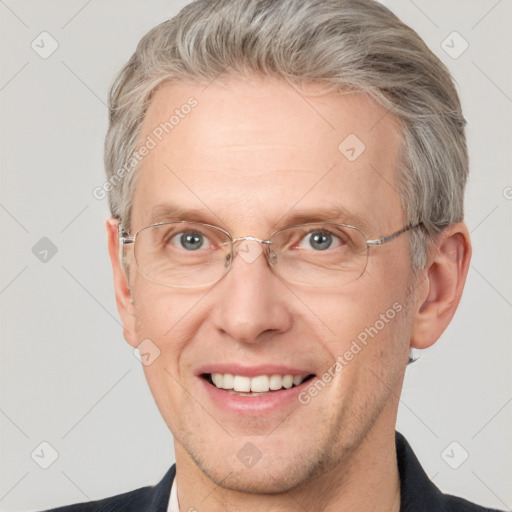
320,241
190,240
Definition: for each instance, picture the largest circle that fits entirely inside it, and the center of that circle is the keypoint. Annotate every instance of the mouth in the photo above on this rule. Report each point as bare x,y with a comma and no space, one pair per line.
259,385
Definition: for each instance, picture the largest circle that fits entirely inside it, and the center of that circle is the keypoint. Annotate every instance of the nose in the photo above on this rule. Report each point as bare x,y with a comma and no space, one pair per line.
251,301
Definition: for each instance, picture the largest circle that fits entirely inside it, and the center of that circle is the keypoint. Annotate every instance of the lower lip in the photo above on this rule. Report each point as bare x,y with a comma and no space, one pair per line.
255,404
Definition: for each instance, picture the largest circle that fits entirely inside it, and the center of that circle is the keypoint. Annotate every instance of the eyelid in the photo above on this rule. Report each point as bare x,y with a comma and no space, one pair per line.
177,236
337,241
212,237
295,235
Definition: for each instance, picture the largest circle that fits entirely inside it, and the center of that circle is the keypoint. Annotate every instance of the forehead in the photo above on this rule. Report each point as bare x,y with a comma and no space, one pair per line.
255,152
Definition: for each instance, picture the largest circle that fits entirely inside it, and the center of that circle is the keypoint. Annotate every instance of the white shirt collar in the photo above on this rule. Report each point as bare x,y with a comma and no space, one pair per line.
173,499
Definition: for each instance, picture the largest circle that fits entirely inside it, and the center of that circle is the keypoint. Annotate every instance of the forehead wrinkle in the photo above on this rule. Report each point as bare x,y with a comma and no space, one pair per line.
234,174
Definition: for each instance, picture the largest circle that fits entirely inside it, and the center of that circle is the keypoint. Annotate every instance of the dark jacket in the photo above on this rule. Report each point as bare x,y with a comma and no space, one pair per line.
418,493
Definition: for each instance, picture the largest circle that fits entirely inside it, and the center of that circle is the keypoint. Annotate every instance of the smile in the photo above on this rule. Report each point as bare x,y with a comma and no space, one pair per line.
254,386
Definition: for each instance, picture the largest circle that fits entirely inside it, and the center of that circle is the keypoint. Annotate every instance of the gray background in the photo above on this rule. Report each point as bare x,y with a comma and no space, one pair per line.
68,377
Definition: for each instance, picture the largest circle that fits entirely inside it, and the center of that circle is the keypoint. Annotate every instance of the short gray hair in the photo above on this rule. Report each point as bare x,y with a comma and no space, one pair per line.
354,45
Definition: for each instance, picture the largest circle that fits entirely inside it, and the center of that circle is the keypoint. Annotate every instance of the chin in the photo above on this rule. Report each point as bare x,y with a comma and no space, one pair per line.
266,477
281,468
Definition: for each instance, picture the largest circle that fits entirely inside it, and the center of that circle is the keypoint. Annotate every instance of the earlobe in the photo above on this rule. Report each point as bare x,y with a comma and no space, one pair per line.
124,299
441,284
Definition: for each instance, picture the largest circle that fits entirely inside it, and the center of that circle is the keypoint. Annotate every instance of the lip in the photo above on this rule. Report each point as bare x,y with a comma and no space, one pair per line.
251,371
252,405
255,405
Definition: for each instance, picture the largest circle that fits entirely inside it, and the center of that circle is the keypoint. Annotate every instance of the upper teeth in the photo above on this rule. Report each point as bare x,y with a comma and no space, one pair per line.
259,384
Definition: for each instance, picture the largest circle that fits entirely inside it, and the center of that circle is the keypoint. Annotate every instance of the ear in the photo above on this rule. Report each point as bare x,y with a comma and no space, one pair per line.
124,299
440,285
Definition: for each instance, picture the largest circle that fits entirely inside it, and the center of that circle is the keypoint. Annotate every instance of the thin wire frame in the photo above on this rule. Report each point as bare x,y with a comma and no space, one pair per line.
232,242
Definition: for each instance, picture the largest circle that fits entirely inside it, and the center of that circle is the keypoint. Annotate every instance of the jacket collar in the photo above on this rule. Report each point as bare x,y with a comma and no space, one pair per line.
417,492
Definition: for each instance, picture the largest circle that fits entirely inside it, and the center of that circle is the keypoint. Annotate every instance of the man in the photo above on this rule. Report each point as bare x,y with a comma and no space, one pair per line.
286,181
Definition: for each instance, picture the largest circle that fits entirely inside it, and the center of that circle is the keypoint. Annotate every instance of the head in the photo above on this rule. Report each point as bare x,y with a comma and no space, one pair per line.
255,115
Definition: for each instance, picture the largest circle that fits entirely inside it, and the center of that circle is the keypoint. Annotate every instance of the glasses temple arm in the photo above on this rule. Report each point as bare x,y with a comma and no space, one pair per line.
123,240
385,239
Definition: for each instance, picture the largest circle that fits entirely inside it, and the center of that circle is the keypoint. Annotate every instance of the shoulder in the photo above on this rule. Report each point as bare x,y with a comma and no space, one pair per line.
418,493
127,501
151,498
455,504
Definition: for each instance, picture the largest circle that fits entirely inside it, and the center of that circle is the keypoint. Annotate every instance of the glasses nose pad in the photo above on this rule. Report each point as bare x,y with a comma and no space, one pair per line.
228,259
271,256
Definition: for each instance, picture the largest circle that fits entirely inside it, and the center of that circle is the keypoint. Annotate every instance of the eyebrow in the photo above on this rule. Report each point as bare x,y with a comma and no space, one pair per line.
169,212
336,213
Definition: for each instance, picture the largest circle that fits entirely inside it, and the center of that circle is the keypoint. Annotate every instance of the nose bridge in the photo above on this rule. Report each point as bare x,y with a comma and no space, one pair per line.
249,248
253,238
249,305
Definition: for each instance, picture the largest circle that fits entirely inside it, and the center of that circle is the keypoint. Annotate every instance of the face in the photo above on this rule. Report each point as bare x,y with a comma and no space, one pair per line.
251,157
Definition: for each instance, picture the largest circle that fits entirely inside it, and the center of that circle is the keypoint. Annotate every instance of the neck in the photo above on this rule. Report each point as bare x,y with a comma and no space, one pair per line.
367,479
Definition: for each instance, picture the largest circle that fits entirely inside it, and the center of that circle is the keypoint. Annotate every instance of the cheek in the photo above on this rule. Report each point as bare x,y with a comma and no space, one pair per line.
344,317
365,325
161,311
166,321
169,320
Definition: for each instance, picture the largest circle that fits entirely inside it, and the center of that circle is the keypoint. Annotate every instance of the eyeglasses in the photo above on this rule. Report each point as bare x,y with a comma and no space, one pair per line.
192,254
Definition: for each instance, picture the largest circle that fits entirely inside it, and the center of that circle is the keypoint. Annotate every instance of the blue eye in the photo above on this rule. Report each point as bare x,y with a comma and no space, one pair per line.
319,241
191,240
